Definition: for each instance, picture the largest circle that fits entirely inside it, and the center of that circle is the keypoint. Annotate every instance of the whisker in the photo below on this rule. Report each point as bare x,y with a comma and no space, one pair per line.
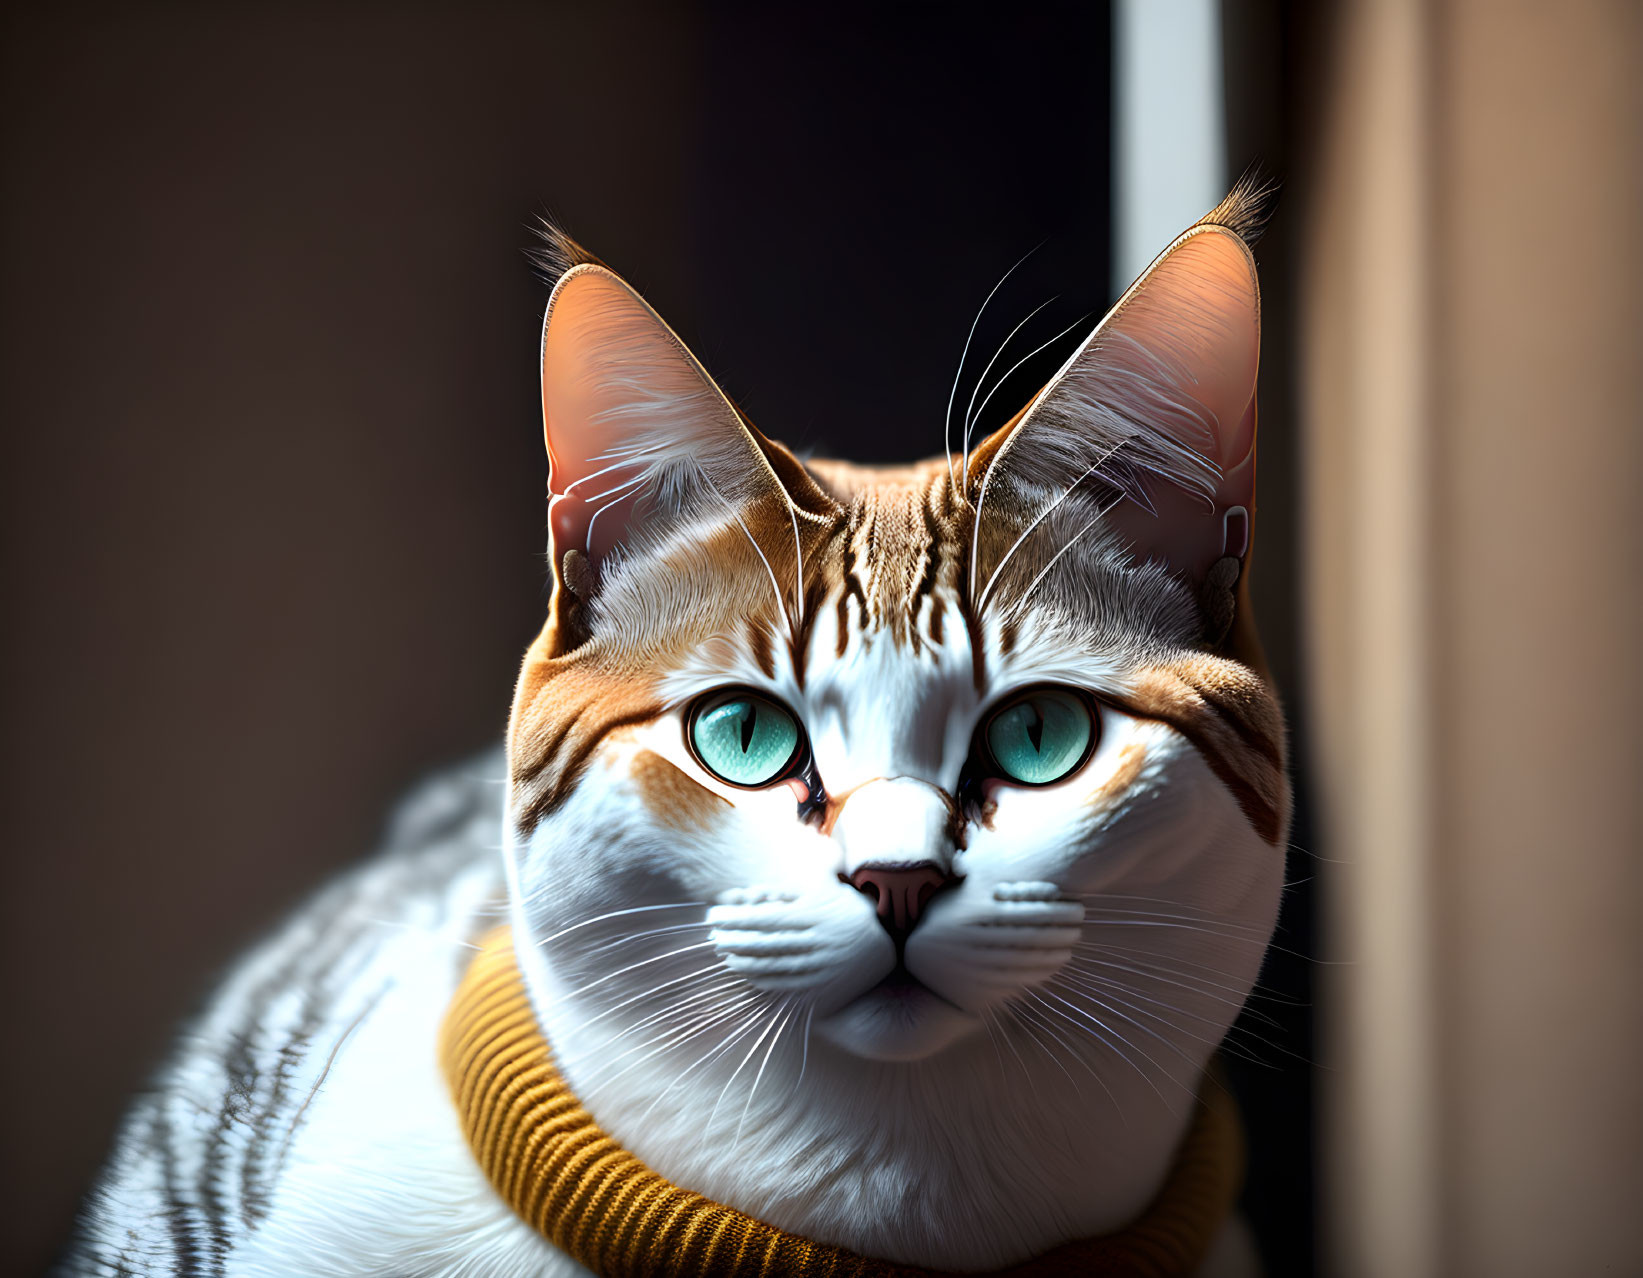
1048,1027
713,1113
1084,318
1076,1055
684,1036
1037,521
1021,601
675,1009
1179,927
673,1035
781,600
1197,1068
1211,918
754,1090
1146,959
1016,1013
654,990
636,937
738,1029
1146,1056
593,519
1149,900
625,488
624,458
798,564
947,421
1107,989
804,1062
1224,936
616,914
975,529
622,971
1107,1029
1094,981
1317,856
992,1034
1183,918
969,412
1005,1035
1202,989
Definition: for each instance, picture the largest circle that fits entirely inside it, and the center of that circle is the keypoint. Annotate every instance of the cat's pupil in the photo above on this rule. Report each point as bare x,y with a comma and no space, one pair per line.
750,718
1035,728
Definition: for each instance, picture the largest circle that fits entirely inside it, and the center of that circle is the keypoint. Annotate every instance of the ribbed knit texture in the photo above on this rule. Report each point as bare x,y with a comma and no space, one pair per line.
562,1173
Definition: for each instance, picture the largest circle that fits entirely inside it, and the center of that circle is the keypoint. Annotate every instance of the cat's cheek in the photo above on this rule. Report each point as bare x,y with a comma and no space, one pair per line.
1082,831
1033,834
822,948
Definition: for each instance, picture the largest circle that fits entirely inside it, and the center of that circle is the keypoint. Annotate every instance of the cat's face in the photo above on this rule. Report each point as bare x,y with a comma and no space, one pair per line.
899,756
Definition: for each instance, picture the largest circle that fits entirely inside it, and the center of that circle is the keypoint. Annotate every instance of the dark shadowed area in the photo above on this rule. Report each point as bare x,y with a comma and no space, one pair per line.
273,512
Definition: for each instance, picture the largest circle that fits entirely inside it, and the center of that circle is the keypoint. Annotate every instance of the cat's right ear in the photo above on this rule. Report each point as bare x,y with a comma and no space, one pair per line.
640,440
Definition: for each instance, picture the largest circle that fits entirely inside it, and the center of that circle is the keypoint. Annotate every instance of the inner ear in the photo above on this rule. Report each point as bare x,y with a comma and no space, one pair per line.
634,427
643,448
1151,422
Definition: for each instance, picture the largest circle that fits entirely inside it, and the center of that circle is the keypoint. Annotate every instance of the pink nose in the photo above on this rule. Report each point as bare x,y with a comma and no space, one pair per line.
902,891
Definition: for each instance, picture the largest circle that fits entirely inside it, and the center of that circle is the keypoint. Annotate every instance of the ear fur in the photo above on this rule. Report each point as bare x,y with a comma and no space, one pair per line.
1152,418
641,442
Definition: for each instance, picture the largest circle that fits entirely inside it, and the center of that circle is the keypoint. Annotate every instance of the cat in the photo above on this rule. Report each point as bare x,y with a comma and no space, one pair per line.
884,854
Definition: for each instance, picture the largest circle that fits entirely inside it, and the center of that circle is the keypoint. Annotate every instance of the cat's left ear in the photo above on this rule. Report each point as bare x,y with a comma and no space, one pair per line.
1155,414
642,445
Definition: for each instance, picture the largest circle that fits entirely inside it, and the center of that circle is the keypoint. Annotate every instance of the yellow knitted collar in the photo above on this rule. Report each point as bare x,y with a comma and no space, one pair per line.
559,1170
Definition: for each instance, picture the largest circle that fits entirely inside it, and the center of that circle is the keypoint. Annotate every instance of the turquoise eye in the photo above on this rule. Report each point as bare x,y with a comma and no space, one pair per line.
1041,737
744,739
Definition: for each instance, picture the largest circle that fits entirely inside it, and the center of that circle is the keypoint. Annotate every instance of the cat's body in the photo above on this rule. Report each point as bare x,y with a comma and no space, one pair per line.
299,1129
886,852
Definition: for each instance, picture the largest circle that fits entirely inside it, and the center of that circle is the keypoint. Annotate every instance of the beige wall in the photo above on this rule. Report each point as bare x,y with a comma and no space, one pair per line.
1472,333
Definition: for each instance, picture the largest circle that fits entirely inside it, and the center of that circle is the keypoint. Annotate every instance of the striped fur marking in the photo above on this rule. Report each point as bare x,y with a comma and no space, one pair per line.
1131,760
1233,721
676,801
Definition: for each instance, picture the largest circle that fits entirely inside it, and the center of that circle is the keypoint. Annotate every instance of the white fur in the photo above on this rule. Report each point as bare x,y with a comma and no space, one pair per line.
739,1045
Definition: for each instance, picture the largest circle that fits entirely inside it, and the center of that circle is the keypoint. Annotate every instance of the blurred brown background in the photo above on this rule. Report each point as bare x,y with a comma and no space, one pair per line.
273,497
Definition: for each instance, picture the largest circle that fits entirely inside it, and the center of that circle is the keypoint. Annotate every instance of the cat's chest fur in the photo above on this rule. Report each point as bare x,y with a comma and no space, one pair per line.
382,1180
304,1126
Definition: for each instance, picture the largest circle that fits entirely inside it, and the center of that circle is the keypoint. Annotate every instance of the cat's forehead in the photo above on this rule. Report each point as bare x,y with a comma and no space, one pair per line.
876,611
902,570
894,567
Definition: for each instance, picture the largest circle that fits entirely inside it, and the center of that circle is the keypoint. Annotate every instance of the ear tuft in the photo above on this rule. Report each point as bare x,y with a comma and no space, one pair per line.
555,253
1247,209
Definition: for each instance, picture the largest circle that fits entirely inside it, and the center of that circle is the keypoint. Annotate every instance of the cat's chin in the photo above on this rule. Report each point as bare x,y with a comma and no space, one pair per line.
899,1019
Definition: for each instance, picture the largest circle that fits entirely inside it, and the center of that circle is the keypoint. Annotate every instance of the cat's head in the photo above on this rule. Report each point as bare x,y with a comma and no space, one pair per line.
900,755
